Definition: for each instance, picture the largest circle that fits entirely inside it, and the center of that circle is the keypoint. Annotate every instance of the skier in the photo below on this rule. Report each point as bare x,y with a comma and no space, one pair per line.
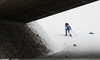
67,28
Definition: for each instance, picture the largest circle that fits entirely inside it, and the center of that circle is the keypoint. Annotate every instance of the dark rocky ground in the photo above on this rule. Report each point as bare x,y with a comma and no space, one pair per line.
17,41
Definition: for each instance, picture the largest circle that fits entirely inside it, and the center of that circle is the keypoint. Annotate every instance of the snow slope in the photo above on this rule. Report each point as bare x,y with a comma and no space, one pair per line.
37,29
83,20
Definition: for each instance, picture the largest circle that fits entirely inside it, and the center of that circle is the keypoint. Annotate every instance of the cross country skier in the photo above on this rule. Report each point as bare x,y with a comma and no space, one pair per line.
67,28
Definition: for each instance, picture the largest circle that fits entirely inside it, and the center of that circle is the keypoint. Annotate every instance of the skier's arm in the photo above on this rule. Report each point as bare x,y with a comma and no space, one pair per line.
65,27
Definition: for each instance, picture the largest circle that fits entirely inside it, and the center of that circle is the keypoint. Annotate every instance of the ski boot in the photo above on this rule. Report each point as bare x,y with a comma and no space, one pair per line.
70,35
65,34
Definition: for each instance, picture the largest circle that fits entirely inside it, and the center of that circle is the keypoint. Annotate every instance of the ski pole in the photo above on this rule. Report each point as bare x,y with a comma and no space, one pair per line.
74,33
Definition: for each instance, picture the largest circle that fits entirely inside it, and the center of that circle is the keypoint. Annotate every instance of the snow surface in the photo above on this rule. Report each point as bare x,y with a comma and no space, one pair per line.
37,29
83,20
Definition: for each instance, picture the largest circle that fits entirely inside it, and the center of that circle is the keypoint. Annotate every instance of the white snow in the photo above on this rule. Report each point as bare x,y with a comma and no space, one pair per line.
83,19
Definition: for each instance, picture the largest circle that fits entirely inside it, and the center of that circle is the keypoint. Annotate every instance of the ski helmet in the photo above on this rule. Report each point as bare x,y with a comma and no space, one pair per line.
66,24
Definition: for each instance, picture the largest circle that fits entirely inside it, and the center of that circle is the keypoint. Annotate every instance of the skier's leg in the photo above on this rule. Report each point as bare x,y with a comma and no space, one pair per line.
66,32
69,32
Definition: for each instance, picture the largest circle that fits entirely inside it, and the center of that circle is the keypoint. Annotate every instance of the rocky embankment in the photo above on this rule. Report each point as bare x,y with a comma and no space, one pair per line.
18,41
